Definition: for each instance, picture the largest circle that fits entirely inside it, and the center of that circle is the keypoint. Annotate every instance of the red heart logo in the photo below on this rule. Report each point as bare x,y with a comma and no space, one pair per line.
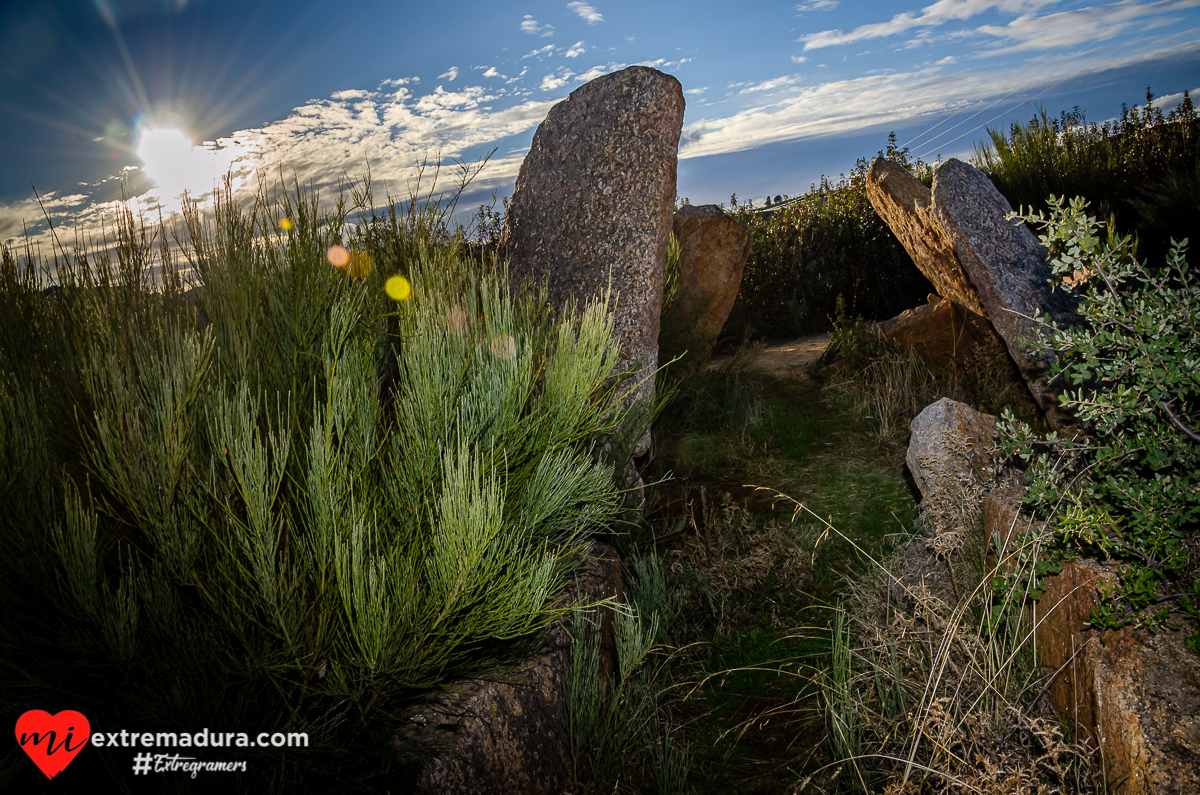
50,740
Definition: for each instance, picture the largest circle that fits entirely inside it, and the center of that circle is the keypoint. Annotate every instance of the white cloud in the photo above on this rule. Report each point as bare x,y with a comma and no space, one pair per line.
586,12
556,80
518,77
530,26
491,72
353,93
599,71
695,92
772,84
841,106
450,74
399,81
939,13
576,50
1083,25
539,53
817,5
799,59
1167,104
949,59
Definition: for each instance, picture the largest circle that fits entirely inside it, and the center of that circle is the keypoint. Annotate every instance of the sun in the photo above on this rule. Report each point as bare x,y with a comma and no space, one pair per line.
173,164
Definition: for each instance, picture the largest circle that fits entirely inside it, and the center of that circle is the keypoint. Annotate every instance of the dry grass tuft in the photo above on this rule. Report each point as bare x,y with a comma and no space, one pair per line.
930,691
891,389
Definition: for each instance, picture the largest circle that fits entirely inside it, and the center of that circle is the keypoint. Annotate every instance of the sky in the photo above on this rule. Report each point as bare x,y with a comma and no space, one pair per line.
161,96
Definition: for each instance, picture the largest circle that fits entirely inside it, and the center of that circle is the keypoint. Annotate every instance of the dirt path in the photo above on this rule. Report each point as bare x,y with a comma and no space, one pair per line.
792,360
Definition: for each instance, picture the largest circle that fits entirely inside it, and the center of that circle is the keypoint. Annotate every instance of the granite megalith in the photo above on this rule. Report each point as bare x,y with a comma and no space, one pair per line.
940,332
592,207
905,205
713,249
507,732
1008,269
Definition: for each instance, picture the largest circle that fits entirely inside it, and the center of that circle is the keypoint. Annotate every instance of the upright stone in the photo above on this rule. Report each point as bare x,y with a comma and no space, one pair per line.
713,249
593,203
1008,269
905,205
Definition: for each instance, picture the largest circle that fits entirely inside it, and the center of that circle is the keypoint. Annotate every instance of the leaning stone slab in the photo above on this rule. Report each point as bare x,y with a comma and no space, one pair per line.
593,202
713,249
905,205
1008,269
507,734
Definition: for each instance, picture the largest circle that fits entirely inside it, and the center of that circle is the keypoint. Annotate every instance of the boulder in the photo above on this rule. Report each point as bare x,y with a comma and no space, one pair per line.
593,202
905,205
713,249
940,332
950,449
1133,695
1008,269
507,733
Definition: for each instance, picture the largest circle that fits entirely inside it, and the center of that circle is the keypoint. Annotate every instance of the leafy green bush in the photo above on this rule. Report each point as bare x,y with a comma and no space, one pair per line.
1141,171
828,243
292,516
1129,489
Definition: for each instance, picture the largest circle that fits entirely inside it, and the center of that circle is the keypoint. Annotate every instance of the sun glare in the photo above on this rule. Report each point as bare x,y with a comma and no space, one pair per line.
173,164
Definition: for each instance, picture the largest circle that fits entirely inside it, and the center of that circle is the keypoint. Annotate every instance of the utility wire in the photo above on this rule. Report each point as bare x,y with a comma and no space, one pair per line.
973,115
989,121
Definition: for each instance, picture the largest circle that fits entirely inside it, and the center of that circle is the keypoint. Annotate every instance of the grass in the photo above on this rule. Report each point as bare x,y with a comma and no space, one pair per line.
741,675
296,503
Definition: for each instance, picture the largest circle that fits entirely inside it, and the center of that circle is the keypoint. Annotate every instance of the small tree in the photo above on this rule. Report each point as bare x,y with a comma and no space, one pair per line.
1129,489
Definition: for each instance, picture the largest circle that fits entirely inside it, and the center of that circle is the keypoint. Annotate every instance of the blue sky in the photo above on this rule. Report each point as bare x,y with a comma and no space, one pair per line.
171,93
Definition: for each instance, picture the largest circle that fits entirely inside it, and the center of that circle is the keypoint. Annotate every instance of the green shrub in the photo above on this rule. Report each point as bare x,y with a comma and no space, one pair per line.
293,516
1129,489
826,244
1142,171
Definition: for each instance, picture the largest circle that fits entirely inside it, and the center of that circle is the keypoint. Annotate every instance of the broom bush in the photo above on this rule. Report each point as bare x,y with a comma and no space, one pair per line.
284,501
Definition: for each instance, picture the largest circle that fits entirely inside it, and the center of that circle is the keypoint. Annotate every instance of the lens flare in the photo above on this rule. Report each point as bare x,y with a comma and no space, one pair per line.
458,321
398,288
504,347
361,264
338,256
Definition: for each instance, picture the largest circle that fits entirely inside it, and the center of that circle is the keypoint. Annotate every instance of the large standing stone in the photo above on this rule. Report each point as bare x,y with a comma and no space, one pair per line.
713,249
1008,268
905,205
593,202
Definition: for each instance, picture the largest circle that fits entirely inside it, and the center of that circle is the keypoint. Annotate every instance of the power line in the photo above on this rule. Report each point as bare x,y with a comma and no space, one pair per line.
989,121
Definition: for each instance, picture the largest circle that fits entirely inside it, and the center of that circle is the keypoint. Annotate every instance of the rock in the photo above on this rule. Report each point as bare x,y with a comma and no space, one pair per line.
1136,696
951,446
507,733
940,332
1008,269
714,248
905,205
593,202
950,449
